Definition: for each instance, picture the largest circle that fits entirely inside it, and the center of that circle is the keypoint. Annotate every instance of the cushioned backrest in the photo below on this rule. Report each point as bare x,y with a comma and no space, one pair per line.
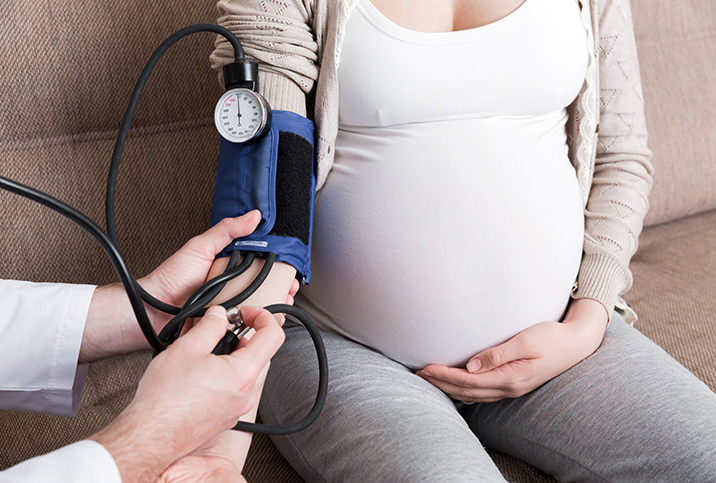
677,54
68,70
69,67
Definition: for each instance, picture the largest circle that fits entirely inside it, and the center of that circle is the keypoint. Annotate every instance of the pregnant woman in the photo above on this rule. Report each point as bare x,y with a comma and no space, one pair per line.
483,176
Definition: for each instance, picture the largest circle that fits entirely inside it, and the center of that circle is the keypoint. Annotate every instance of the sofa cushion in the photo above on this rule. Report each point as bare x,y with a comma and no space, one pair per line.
163,198
674,291
677,55
69,67
110,387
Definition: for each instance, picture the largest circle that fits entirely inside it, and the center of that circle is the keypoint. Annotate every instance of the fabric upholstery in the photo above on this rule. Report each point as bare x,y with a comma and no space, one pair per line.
66,84
677,53
674,287
110,387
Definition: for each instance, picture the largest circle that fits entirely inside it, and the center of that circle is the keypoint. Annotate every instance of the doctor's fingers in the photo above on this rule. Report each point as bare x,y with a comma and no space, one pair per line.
264,343
205,334
223,233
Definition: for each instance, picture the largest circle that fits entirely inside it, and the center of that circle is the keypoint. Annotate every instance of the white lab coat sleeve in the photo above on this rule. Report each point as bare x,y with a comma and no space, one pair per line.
81,462
41,327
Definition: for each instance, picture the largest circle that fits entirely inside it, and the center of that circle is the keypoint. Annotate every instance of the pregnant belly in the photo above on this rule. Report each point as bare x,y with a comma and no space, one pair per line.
434,261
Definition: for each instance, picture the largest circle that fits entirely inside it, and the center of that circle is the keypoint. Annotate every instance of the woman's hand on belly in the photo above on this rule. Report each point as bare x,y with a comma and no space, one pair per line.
526,361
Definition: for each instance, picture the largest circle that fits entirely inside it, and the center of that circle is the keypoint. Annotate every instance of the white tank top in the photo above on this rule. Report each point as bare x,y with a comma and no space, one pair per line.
452,218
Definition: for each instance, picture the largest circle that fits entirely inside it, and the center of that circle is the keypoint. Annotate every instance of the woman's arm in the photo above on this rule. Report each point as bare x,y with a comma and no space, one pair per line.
280,283
622,179
281,38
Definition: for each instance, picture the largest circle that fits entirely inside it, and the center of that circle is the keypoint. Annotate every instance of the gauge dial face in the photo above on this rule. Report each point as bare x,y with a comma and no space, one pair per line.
240,115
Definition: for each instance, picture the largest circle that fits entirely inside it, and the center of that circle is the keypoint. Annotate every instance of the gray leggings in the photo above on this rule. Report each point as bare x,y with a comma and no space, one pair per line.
628,413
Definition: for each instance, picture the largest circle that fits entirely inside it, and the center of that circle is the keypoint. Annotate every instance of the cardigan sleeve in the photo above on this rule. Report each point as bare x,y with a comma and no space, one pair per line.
622,179
279,35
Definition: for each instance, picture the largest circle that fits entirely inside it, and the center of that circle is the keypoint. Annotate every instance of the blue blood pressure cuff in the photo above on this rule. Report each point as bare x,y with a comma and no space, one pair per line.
276,175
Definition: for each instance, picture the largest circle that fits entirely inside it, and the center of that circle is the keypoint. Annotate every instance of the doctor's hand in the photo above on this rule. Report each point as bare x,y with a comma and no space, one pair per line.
526,361
220,459
189,396
181,274
111,327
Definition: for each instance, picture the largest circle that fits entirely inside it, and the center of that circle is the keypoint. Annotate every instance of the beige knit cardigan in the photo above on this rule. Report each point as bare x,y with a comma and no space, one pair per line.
298,45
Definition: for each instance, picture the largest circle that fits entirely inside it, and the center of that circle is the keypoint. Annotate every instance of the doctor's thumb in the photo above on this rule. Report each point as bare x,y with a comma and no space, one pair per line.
208,331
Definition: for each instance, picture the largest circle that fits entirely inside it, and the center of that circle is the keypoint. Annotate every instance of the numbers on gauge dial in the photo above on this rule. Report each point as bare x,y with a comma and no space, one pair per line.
240,115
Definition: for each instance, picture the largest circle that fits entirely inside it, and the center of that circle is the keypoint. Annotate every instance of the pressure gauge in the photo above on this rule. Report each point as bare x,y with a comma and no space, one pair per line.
242,115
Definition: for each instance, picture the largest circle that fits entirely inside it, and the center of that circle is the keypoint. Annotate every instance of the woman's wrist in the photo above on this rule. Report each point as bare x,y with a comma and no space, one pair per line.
590,309
589,319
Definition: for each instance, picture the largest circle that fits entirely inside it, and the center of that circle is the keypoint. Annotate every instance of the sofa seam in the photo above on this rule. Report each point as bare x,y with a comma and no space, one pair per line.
17,145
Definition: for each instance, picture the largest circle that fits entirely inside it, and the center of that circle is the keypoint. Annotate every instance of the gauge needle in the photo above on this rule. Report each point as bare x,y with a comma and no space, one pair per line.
238,110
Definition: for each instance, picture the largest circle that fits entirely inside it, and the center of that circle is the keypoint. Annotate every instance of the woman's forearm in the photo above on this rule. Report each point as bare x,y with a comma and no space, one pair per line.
589,319
274,290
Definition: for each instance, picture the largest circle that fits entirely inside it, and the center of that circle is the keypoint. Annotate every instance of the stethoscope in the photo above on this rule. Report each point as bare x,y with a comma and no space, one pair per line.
242,115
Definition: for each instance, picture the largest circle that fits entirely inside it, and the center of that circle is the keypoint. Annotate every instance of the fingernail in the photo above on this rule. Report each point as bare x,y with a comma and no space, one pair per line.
474,365
426,373
248,312
217,310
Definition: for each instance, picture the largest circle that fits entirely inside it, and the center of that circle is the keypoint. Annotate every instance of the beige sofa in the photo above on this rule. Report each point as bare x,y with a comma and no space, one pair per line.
68,69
